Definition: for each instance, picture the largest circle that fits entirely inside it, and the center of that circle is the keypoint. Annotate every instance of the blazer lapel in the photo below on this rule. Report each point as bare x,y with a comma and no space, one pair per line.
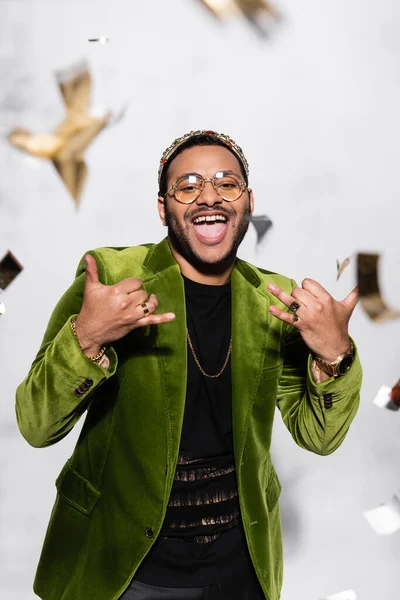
166,282
250,325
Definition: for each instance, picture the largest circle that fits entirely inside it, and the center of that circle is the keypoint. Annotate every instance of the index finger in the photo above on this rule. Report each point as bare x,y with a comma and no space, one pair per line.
129,285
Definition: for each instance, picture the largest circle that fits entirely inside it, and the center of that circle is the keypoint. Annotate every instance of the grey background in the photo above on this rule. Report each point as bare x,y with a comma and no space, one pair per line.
315,109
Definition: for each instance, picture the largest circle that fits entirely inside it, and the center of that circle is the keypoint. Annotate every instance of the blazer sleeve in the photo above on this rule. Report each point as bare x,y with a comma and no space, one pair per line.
62,381
318,415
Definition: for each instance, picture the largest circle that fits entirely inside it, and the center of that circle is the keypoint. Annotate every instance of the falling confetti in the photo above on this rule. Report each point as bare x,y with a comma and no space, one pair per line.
262,224
66,145
101,40
369,291
221,8
340,267
2,308
395,394
10,268
385,519
347,595
259,13
383,399
253,8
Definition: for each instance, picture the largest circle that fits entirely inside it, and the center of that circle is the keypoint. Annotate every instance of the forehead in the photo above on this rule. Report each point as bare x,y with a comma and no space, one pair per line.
205,160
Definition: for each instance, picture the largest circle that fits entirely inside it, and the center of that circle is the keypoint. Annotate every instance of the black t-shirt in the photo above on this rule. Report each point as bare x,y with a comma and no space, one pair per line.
202,539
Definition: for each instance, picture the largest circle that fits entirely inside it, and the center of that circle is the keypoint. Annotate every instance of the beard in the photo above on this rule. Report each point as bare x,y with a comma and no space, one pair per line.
181,243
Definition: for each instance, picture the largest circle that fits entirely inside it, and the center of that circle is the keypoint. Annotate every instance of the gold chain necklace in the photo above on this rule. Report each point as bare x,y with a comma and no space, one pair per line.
198,362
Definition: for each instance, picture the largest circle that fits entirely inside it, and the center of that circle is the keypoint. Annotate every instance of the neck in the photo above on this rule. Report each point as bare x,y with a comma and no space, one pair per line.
217,274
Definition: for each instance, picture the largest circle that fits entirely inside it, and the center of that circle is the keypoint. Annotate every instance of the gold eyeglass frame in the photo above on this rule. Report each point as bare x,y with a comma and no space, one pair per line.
243,186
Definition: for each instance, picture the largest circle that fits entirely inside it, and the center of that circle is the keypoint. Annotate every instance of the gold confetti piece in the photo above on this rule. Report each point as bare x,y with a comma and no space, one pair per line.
252,10
66,145
368,289
340,267
252,7
10,268
41,145
221,8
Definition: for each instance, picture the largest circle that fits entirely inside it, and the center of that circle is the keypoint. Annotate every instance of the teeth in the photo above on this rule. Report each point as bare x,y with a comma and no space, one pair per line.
210,218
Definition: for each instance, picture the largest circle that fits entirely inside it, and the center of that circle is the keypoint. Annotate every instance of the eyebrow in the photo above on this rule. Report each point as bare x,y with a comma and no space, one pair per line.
199,175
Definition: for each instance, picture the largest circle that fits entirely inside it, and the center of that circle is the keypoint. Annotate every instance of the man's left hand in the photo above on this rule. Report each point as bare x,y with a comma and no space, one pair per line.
322,320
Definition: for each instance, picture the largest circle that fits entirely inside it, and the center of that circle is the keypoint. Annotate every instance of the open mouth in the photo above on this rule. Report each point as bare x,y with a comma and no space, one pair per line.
211,227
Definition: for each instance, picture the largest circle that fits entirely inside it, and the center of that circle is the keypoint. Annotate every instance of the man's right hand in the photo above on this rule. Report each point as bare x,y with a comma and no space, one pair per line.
109,312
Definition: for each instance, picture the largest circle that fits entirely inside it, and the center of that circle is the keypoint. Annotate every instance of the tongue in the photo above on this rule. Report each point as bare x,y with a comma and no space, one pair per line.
211,230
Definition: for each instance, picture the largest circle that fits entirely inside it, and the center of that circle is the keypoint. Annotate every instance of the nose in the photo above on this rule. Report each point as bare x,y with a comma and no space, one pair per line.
209,196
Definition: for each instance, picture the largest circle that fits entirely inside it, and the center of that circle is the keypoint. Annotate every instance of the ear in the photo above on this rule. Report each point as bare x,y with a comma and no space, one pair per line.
251,199
161,210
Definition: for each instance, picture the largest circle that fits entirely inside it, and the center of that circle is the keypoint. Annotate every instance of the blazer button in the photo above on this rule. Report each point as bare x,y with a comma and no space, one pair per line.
78,393
149,533
328,401
89,382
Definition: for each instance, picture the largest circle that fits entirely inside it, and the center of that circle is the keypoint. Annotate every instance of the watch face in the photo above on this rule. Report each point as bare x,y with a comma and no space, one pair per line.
345,364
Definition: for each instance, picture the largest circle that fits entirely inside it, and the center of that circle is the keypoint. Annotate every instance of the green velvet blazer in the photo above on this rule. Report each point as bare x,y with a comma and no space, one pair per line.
112,493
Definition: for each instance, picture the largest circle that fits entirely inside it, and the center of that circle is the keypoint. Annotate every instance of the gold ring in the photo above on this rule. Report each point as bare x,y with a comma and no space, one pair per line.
145,308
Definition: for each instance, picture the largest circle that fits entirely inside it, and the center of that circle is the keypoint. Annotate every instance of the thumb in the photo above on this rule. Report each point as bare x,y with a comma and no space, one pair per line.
350,302
92,275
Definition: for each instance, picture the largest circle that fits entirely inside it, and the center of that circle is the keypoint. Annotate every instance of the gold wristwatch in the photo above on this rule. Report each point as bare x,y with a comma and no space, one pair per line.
338,367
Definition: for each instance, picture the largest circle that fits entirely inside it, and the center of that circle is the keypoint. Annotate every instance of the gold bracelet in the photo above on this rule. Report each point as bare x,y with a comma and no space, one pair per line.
92,358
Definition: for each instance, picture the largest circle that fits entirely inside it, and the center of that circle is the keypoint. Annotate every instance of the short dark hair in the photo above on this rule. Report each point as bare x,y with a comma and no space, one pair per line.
204,139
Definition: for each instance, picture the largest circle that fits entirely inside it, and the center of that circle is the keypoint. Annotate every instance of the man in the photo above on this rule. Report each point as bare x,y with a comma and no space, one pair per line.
179,352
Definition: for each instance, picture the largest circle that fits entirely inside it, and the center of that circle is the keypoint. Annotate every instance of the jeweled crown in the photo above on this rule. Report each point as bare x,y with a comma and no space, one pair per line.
229,142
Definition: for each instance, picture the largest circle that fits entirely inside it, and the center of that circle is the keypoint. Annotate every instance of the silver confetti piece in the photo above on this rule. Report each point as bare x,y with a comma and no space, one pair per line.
383,399
346,595
101,40
385,519
261,224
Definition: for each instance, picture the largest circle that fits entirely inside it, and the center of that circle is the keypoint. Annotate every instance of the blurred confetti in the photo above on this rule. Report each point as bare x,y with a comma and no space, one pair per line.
347,595
369,292
260,13
2,308
10,268
385,519
117,116
221,8
395,394
101,40
65,147
383,399
261,224
340,267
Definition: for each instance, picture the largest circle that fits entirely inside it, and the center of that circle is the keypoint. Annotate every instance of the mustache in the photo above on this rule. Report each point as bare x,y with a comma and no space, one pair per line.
222,210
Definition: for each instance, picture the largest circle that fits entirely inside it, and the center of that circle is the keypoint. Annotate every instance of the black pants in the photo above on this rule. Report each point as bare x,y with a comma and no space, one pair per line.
242,585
